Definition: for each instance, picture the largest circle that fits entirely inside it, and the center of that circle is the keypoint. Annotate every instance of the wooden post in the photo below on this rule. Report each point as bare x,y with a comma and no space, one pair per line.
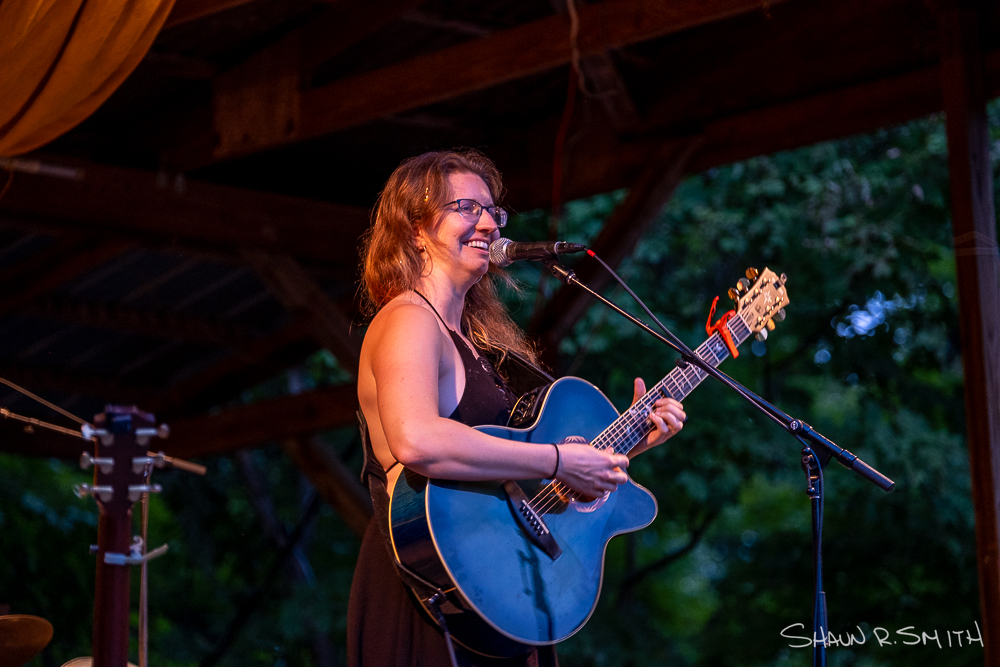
978,263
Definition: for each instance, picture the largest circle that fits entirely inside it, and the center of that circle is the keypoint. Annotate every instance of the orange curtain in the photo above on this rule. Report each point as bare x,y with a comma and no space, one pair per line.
60,59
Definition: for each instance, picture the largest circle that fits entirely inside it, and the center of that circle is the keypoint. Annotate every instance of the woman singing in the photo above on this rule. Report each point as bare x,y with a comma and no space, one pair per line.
424,381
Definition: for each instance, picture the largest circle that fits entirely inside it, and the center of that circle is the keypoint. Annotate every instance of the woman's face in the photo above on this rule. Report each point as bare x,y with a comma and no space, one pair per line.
457,246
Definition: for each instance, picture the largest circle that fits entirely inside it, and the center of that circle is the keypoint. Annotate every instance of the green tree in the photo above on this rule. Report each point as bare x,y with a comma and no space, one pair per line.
869,355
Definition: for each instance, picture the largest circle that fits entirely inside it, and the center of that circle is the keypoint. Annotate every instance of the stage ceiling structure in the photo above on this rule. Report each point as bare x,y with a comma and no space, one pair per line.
199,233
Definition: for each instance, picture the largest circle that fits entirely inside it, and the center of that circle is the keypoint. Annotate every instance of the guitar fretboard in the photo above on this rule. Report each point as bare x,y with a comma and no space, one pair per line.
634,424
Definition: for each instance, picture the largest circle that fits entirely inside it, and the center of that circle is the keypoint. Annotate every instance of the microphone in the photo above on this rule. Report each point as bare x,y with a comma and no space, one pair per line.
503,252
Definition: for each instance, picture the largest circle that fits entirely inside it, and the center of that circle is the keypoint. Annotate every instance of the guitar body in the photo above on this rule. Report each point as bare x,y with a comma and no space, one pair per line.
521,565
465,538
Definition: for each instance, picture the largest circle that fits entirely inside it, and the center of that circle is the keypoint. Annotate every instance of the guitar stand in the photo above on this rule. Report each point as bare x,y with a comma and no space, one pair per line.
813,442
813,468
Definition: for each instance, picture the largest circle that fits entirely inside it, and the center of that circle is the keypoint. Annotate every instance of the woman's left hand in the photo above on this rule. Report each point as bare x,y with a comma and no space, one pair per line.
667,416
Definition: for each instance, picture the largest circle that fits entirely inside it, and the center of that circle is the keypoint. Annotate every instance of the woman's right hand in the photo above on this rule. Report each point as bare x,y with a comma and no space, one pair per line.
590,471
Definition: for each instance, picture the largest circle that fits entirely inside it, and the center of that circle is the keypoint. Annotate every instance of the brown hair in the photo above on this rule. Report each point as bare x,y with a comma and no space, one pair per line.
391,263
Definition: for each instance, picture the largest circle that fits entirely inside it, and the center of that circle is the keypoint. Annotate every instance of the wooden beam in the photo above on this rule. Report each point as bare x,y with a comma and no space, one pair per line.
161,324
255,103
253,425
833,115
259,423
476,65
185,11
226,378
169,210
61,262
617,239
504,56
603,162
977,259
344,24
305,299
605,85
336,483
42,378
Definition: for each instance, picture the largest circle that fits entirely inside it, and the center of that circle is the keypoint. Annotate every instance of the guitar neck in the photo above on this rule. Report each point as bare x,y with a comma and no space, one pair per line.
634,424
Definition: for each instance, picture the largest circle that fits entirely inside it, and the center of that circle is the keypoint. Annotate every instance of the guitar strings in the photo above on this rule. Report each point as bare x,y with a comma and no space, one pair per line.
628,430
634,424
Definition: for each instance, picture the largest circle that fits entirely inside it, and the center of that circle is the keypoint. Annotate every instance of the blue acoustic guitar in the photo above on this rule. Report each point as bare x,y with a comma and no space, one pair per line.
520,564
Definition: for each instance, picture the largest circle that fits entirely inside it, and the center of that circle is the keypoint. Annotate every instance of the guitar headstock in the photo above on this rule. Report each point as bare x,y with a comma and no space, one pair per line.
120,459
760,299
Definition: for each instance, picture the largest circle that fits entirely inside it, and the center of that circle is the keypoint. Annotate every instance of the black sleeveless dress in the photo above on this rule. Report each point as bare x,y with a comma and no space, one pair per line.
386,626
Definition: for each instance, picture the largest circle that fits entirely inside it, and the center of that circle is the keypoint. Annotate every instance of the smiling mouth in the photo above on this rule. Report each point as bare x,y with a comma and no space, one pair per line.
482,245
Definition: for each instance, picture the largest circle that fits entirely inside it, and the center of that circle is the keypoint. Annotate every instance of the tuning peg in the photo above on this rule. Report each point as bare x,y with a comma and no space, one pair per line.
105,464
142,435
770,325
780,315
734,295
135,491
139,463
743,285
752,273
103,492
762,335
89,433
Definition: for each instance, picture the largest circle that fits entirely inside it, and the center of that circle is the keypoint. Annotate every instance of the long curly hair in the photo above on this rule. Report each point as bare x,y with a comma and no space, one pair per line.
391,262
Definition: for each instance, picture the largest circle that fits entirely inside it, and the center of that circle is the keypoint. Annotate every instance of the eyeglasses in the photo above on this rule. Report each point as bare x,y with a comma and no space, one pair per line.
471,210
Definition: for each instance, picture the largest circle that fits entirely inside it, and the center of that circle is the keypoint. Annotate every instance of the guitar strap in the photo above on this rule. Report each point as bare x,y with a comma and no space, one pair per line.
373,476
521,375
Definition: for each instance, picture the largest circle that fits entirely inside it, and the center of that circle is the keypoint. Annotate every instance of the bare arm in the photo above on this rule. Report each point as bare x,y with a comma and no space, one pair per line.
407,358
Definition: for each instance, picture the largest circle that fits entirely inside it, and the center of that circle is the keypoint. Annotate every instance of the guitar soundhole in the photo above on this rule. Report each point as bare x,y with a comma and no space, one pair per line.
572,498
587,506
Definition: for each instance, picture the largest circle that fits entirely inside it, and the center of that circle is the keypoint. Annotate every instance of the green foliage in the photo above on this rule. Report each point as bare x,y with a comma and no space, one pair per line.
869,355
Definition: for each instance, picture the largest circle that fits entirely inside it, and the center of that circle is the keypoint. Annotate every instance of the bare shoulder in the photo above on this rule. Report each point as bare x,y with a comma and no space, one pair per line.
405,310
405,319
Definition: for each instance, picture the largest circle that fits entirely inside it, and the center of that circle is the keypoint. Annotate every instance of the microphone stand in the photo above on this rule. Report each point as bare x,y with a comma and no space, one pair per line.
816,448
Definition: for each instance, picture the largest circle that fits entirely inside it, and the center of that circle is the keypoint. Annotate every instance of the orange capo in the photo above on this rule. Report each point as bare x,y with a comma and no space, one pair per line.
721,327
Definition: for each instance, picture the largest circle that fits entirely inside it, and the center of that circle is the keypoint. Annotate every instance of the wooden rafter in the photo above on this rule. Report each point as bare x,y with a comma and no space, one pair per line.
161,324
185,11
256,102
162,210
305,299
476,65
605,86
226,378
603,162
50,379
253,425
618,238
259,423
67,258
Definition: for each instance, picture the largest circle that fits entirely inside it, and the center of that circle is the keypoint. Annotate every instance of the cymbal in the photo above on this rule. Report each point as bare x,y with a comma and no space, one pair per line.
22,637
86,661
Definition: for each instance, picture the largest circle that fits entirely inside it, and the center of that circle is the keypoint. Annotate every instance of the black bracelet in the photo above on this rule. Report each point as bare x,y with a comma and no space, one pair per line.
556,471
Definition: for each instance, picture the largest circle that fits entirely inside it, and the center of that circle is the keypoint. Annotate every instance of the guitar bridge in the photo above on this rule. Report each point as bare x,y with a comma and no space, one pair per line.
530,521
